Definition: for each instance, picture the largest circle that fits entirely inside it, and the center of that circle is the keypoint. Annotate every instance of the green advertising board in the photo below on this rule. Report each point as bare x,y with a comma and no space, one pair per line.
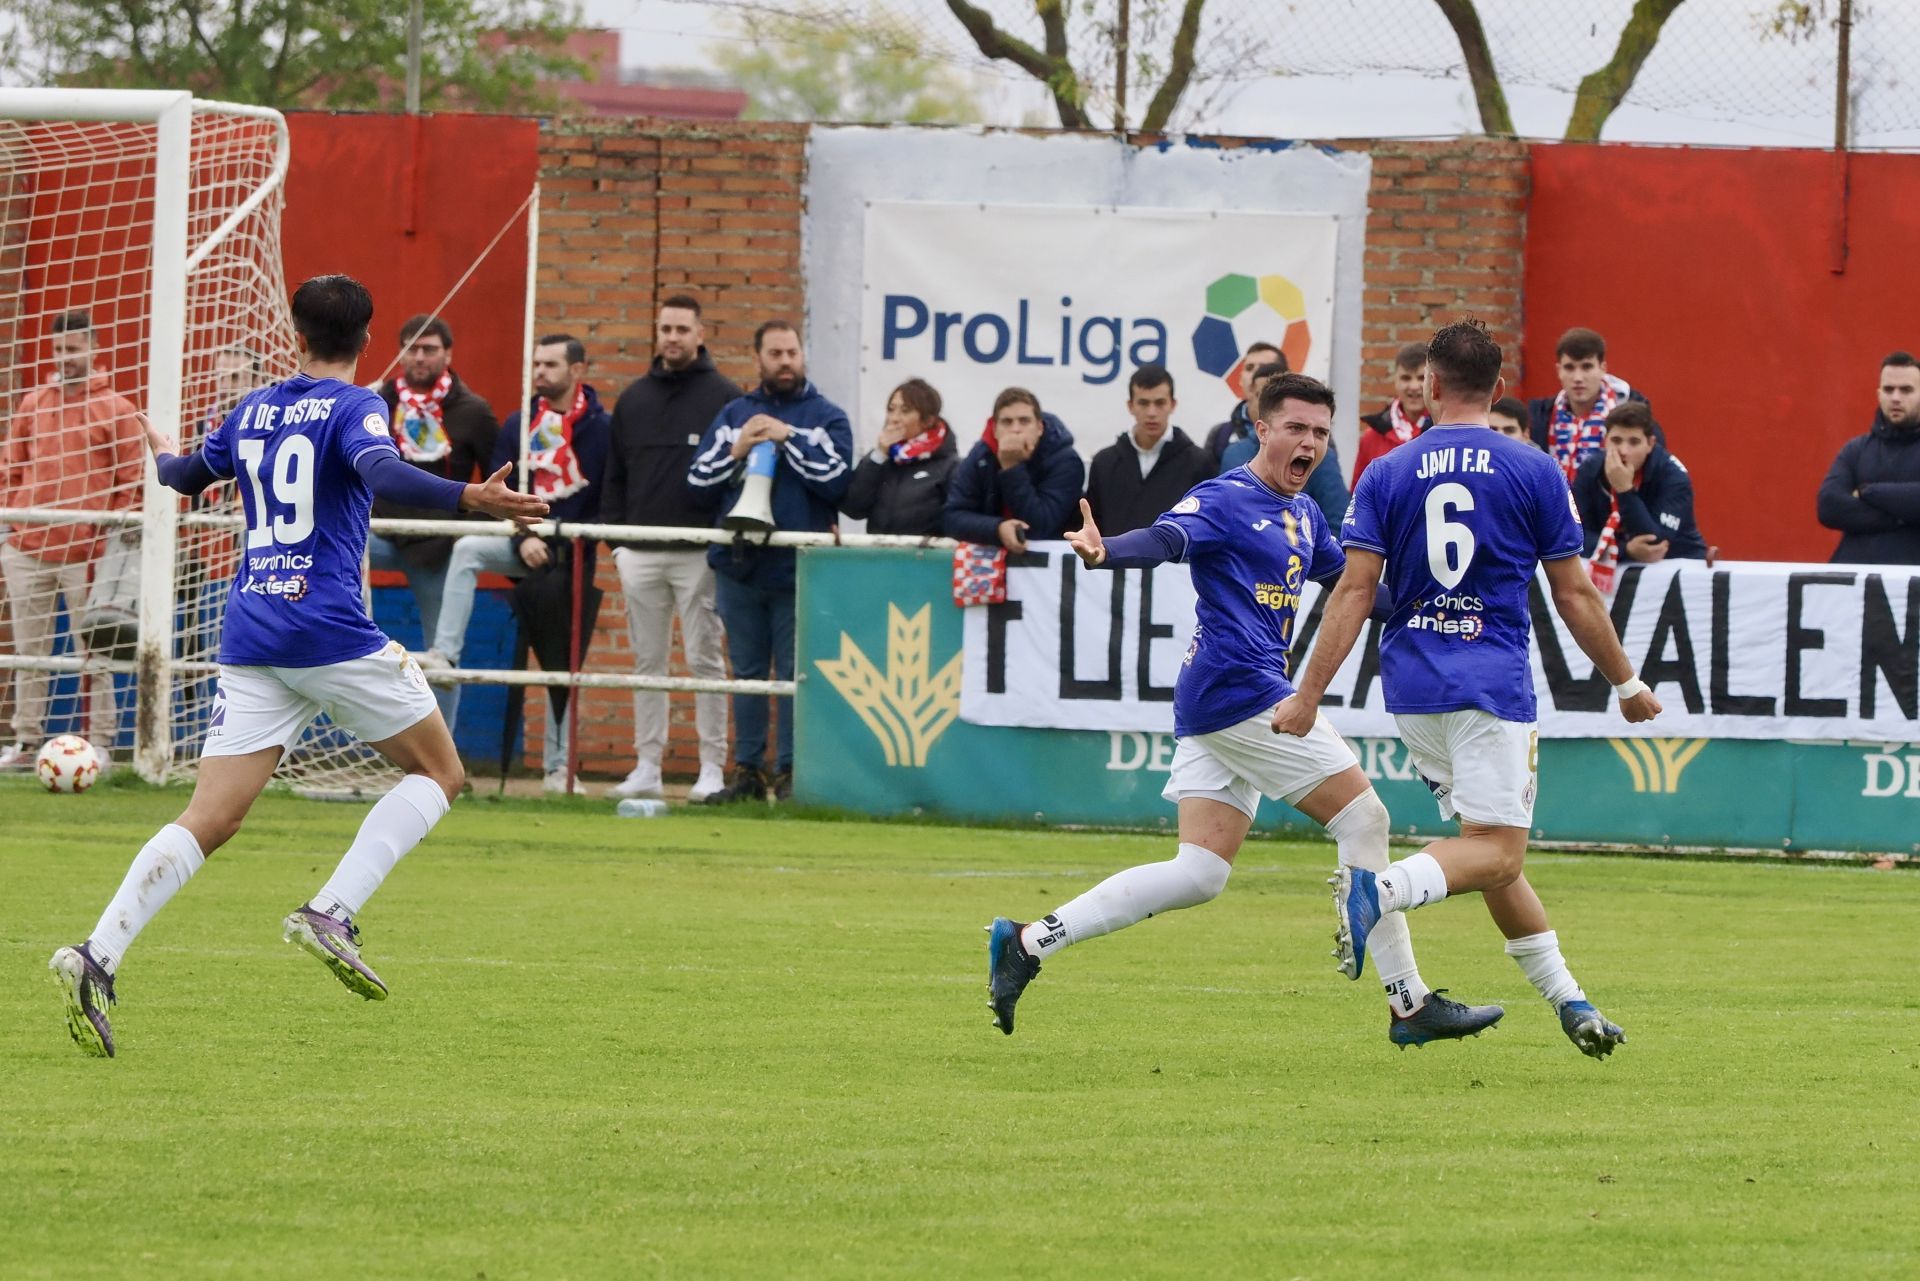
877,730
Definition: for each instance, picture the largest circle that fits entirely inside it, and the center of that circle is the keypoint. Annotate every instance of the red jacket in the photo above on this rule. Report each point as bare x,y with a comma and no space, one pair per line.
85,450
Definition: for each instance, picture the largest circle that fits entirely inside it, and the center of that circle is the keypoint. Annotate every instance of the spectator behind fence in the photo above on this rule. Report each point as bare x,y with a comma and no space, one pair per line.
1635,498
1508,416
566,458
442,427
1403,418
1133,481
73,442
1325,486
1572,426
900,486
1238,428
1021,481
813,448
1872,492
657,425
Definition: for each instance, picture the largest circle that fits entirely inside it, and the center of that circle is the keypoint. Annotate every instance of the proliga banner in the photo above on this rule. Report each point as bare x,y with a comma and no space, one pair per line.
1747,651
1067,301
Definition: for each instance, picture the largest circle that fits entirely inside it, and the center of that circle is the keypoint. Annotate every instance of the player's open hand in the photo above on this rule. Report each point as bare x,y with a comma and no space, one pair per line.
1295,716
1641,707
496,499
157,439
1086,539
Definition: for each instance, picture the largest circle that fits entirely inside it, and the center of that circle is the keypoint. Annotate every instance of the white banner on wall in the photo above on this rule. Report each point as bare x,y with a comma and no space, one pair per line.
1067,301
1759,651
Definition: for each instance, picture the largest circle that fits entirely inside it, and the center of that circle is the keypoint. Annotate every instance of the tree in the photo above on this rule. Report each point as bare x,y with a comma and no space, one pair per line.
1600,91
806,65
486,54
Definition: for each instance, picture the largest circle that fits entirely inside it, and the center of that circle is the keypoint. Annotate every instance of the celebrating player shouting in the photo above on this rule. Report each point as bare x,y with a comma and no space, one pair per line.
1459,519
1251,542
309,454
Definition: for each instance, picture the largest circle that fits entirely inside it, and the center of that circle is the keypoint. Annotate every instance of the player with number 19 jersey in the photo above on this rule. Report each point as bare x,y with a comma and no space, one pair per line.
1462,515
291,448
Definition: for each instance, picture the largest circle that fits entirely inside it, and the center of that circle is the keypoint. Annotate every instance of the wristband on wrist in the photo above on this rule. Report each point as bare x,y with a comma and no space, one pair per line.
1632,687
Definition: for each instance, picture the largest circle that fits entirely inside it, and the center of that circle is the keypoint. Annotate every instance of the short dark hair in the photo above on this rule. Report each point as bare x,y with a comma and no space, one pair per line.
1411,356
1016,396
418,327
576,350
77,321
1633,414
332,313
1580,344
1464,358
1147,377
1512,407
768,326
682,302
1272,369
1902,359
919,395
1264,346
1292,386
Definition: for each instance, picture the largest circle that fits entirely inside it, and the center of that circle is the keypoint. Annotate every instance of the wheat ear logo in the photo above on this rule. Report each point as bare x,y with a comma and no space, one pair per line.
905,707
1655,764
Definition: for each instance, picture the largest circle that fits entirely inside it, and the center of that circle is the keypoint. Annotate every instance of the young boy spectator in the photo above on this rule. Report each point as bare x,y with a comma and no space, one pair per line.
1572,425
1872,493
1139,477
1508,416
1021,481
1635,498
1404,417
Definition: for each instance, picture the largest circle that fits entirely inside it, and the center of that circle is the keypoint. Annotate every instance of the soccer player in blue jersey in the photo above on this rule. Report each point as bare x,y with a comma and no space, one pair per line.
309,456
1251,541
1459,519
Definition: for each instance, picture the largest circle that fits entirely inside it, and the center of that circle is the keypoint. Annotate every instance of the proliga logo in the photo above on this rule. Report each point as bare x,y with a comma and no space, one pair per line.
1246,309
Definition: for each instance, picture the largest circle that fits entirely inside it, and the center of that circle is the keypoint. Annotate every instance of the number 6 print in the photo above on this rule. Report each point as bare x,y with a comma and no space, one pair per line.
1449,542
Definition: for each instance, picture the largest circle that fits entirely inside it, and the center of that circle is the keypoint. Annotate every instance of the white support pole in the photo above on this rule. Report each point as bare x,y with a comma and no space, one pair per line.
166,350
526,333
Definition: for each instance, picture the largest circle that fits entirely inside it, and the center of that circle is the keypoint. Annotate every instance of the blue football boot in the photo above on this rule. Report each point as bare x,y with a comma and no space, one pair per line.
1009,970
1589,1029
1356,902
1441,1019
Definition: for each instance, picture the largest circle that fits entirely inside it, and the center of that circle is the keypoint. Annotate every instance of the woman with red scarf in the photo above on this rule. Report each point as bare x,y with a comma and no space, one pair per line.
900,486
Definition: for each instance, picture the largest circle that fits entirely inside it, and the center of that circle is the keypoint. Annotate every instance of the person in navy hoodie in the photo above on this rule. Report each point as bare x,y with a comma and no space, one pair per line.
1635,499
1021,481
814,463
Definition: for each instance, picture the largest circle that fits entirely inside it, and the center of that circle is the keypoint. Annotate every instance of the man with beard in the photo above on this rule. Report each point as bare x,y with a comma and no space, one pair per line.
812,452
1872,493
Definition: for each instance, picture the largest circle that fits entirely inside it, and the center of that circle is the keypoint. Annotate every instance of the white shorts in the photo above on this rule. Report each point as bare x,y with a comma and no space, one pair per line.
372,698
1239,764
1479,767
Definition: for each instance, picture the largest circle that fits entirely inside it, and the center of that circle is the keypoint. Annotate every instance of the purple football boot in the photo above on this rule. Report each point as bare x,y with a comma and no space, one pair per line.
337,944
88,989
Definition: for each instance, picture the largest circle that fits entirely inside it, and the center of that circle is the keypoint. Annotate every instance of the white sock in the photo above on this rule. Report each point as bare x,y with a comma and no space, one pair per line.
1415,881
399,821
1188,879
1540,960
162,866
1360,832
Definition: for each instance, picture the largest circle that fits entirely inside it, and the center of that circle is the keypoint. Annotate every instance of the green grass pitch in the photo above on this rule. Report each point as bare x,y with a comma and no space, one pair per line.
712,1046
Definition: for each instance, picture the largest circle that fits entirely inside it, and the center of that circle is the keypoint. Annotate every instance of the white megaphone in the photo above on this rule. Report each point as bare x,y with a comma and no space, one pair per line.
753,514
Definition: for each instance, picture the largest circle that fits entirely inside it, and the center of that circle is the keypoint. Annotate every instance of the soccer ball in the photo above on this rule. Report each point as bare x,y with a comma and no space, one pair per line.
68,763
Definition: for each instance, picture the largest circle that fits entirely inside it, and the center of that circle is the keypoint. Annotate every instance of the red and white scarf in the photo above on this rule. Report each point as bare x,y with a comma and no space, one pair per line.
922,445
1605,565
552,465
1572,443
420,420
1403,428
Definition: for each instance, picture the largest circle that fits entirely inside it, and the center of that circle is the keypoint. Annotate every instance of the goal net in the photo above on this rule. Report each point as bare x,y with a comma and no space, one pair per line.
140,270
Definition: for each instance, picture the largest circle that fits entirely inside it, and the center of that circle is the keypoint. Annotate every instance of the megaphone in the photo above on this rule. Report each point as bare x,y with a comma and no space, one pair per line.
753,513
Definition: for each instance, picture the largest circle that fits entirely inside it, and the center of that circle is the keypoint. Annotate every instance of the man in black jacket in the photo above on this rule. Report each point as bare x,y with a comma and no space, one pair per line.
1635,499
1021,481
1872,493
1136,479
1572,426
444,428
657,425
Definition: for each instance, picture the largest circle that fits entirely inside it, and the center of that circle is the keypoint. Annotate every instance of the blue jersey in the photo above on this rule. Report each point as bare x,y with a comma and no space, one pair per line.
296,597
1464,516
1250,549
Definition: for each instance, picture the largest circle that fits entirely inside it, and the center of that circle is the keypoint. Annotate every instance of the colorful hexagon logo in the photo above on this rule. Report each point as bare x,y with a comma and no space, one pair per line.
1244,309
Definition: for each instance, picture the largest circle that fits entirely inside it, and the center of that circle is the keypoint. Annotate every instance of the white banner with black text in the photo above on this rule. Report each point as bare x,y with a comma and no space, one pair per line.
1748,650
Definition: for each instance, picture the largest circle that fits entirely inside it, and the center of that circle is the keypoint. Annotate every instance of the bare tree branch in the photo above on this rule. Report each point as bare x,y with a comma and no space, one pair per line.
1179,70
1050,68
1495,119
1603,90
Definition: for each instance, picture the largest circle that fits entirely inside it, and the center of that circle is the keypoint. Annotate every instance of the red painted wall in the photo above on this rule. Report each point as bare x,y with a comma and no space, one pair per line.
406,204
1710,272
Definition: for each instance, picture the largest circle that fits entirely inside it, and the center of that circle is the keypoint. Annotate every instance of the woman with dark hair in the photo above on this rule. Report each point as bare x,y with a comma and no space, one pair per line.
900,486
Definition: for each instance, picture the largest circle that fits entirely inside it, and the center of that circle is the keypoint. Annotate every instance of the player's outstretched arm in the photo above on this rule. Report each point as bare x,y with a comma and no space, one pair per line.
1584,611
189,475
496,499
1347,610
1086,539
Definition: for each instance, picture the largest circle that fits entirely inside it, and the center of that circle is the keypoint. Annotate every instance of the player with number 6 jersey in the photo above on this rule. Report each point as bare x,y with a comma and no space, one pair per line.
308,455
1459,521
1252,544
